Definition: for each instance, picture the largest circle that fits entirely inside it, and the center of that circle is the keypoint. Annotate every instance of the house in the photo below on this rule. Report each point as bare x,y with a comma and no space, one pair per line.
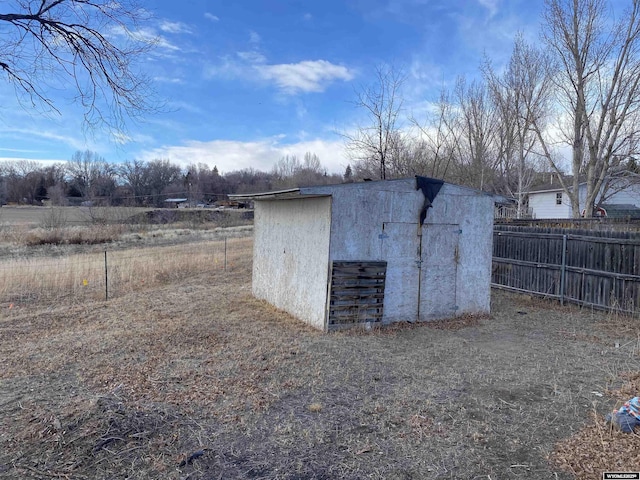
384,251
551,201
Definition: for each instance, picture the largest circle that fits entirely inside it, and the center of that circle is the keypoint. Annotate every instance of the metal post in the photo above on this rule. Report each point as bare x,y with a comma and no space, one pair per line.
563,268
106,277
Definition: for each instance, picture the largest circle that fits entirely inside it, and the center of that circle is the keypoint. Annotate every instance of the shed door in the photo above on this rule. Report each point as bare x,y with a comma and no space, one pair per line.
439,271
400,247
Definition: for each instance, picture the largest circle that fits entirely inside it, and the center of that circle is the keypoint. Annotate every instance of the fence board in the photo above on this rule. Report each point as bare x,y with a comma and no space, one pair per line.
600,271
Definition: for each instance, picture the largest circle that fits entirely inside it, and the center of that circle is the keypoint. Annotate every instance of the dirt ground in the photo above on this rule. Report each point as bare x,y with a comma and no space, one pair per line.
198,380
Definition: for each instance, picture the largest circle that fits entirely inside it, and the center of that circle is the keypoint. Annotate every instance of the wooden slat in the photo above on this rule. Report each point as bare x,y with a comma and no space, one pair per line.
356,293
602,268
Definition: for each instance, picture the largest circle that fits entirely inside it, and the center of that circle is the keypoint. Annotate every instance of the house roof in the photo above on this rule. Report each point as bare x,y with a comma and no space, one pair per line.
621,210
555,185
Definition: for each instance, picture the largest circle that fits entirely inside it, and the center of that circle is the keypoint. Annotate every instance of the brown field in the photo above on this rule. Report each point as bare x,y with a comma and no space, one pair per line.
192,378
34,216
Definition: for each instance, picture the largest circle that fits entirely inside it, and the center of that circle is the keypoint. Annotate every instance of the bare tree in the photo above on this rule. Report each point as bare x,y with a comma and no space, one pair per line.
285,170
477,125
521,95
22,180
162,177
598,87
381,101
91,174
289,172
439,137
91,45
133,175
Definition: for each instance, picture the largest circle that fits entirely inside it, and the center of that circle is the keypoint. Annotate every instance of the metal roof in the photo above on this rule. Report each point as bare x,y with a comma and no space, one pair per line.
288,194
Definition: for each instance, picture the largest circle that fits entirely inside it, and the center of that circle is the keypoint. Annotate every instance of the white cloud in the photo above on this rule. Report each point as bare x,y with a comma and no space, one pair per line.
19,150
211,16
424,79
252,56
291,78
173,80
254,37
307,16
76,143
229,155
491,5
174,27
305,76
227,68
145,35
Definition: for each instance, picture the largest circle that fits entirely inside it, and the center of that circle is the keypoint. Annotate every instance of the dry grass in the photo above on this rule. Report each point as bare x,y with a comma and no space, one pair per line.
33,226
73,235
197,379
75,278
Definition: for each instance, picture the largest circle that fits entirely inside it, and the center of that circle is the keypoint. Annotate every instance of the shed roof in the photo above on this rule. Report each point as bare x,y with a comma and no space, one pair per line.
321,190
287,194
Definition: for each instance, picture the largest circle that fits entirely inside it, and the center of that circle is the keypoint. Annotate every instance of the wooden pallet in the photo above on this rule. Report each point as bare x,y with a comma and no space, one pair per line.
356,294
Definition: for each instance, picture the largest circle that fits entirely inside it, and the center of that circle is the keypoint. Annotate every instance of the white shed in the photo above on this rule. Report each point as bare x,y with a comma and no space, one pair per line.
385,251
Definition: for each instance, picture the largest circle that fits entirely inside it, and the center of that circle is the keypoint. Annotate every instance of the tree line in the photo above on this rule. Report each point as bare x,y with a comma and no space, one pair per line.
568,106
88,177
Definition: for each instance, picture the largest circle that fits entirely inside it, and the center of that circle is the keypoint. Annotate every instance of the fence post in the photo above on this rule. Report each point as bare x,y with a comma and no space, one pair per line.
563,268
106,277
225,254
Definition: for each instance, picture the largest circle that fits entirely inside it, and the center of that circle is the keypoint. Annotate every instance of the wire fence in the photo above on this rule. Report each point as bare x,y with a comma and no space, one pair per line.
107,274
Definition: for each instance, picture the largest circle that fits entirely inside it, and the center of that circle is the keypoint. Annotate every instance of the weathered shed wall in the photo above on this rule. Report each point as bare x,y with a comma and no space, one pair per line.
374,221
291,248
441,269
438,271
456,246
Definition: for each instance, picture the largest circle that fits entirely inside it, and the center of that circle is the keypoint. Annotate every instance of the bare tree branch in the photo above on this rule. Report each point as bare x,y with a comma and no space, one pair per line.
88,46
598,83
382,103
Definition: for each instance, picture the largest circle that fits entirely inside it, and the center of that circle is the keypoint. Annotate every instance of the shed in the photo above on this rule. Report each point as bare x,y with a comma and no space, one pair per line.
414,249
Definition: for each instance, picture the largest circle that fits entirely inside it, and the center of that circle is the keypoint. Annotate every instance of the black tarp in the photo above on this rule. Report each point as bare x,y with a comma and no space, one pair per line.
430,188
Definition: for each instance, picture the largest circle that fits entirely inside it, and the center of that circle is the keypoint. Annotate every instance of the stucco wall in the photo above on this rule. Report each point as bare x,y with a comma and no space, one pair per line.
291,248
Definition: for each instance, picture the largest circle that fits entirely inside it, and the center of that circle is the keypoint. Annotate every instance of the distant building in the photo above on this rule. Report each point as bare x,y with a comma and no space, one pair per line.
176,202
551,201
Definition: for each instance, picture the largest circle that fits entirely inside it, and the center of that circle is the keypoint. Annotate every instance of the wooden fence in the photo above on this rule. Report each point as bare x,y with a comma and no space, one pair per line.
594,268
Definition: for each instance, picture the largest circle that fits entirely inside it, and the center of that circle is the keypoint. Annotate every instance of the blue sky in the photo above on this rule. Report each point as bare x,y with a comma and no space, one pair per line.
248,82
